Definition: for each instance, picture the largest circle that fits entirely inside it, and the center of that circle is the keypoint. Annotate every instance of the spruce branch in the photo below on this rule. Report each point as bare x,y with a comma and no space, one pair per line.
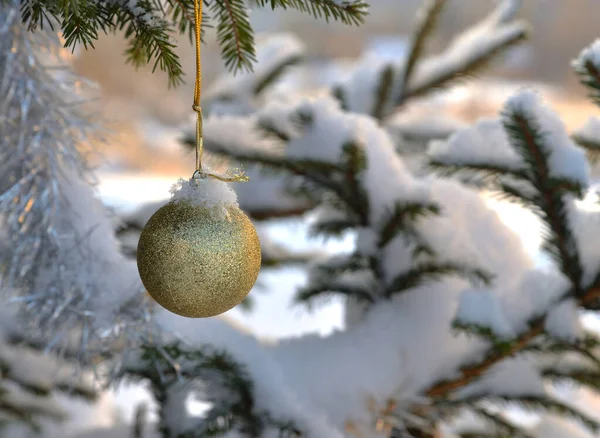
332,227
351,12
149,39
503,427
527,138
472,372
591,146
587,67
470,53
235,34
325,288
583,376
427,21
536,403
166,365
434,271
403,216
482,171
383,92
150,24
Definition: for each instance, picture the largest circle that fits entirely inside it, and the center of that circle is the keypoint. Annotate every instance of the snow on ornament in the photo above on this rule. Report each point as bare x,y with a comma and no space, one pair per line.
199,255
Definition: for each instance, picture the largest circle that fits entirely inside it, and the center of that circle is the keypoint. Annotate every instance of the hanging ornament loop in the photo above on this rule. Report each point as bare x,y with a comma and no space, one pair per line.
238,175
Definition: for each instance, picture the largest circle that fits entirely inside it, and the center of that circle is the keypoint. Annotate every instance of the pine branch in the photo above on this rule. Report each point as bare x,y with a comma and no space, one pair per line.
587,67
149,26
38,13
472,52
276,71
339,94
528,139
583,377
433,271
324,288
591,146
235,34
234,408
351,12
515,194
472,372
80,25
383,92
428,18
332,227
536,403
488,172
499,344
149,40
402,216
503,426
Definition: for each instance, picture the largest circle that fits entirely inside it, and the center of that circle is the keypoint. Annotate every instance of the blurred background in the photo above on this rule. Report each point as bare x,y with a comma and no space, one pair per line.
143,156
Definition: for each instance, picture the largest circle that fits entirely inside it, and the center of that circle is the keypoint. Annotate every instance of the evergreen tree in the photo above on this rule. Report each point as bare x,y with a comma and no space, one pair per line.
30,380
450,326
516,334
150,25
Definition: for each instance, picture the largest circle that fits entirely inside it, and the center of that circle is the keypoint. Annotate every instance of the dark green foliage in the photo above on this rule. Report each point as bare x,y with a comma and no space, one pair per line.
423,272
428,20
216,368
589,76
383,92
474,67
528,139
151,26
591,146
403,215
532,403
350,12
235,34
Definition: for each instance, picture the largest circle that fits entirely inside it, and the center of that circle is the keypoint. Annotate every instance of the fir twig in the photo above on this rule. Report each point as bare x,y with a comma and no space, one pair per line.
235,34
428,18
528,139
348,12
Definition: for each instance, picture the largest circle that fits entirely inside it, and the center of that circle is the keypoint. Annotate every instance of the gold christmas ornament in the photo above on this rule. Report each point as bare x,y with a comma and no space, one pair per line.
199,255
196,261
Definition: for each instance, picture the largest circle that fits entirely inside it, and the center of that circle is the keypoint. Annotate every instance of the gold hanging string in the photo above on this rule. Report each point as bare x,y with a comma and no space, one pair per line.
199,173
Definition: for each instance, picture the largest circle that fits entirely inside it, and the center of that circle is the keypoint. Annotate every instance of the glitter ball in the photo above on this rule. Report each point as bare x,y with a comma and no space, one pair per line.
198,263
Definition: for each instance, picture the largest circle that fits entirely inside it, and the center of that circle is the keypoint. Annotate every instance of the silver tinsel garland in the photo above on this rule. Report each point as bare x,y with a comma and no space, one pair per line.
60,263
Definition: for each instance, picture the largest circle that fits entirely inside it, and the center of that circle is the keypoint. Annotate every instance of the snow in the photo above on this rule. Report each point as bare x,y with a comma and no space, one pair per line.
564,321
321,141
590,131
566,160
272,51
584,225
271,389
532,294
361,83
234,134
483,308
107,270
556,427
210,193
481,240
589,54
425,127
486,142
512,377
